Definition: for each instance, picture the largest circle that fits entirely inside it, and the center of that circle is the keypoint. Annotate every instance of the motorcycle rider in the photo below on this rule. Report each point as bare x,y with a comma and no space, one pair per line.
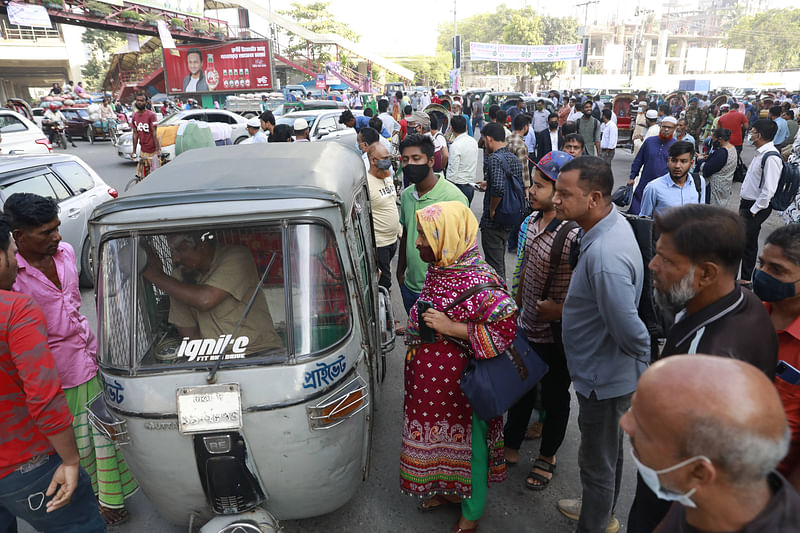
54,115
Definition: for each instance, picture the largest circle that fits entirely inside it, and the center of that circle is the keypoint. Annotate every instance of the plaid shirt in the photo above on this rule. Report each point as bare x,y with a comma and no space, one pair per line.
536,264
494,172
516,145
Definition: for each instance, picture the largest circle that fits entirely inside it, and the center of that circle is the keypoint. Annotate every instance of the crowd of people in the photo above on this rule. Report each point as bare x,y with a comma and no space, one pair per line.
713,419
576,292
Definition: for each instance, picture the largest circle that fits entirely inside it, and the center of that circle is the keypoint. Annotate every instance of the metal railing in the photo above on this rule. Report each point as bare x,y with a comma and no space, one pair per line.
10,31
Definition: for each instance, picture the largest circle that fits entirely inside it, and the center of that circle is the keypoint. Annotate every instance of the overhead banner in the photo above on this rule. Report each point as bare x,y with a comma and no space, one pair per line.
522,53
28,15
228,67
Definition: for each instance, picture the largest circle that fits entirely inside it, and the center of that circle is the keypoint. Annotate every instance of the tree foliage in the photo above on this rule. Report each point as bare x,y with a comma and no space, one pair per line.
428,70
512,26
101,45
771,38
317,18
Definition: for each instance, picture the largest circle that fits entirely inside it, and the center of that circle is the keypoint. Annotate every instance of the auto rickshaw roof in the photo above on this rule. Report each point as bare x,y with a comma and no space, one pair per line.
318,170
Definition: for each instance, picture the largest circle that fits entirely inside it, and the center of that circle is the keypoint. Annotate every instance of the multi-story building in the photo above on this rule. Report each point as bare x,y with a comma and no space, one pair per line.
37,57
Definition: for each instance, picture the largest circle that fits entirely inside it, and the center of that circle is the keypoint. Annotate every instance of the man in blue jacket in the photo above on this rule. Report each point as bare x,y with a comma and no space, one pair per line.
651,160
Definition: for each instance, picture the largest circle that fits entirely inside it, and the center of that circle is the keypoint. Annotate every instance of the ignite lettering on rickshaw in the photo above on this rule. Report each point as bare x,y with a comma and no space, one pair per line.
114,392
324,373
211,349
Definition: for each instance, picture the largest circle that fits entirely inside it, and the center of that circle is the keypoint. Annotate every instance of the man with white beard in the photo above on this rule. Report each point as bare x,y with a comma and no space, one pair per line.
694,275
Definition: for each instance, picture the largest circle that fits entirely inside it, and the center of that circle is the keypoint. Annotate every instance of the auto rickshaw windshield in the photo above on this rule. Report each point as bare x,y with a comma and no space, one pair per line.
255,294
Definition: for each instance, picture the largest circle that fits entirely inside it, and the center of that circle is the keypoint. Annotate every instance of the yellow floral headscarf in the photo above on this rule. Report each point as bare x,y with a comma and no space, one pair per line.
451,230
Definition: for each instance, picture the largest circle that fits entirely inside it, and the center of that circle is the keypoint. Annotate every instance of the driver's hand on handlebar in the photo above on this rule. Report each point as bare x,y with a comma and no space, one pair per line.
154,265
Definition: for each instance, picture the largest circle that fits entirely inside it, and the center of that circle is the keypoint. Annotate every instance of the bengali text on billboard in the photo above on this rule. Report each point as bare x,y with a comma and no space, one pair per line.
228,67
521,53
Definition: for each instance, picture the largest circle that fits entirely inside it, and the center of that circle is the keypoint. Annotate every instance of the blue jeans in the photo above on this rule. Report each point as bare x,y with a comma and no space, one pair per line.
409,297
22,496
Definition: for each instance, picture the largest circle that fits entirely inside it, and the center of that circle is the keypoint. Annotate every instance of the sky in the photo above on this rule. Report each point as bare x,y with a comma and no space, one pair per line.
380,22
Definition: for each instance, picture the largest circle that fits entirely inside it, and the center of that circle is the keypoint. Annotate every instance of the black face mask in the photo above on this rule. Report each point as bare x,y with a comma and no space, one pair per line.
554,126
416,173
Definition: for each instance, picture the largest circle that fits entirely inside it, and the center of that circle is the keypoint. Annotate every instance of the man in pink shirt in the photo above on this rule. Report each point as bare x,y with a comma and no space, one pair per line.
48,273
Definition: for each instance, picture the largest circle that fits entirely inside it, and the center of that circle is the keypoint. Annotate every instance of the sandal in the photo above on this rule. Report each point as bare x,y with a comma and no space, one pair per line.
457,529
511,456
113,517
434,502
399,329
540,464
534,431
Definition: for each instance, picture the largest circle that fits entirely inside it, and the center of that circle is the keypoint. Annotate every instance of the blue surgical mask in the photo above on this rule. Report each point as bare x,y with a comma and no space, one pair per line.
771,289
650,478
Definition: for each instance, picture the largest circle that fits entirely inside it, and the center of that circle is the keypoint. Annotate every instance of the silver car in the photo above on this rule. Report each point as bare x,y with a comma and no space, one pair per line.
237,123
72,183
323,125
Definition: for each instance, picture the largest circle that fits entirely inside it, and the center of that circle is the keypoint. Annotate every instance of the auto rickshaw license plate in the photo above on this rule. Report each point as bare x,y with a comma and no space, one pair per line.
209,408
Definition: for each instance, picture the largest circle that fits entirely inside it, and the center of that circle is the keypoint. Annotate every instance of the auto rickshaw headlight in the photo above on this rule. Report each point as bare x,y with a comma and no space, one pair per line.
343,403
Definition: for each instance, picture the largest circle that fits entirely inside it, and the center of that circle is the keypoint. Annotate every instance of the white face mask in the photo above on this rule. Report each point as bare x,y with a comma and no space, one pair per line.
650,478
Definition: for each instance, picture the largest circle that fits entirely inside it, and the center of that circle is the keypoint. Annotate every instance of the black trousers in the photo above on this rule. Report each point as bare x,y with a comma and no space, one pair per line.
384,255
647,510
468,191
752,227
555,402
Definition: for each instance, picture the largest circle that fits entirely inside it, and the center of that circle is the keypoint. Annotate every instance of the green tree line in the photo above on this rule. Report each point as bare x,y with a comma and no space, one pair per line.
771,38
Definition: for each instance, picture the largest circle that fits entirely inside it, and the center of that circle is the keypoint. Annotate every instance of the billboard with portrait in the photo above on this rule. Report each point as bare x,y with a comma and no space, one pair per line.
224,67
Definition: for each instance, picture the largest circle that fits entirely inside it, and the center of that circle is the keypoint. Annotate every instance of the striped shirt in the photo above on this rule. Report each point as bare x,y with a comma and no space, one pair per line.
536,262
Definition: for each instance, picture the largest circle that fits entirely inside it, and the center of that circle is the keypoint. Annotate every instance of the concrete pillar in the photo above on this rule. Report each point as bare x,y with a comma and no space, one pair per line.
661,53
648,51
684,53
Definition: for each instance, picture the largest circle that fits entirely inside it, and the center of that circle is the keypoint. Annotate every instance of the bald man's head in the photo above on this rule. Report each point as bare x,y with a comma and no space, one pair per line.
376,153
720,408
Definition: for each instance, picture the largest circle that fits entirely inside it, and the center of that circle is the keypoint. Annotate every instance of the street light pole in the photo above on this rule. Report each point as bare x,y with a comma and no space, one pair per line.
585,5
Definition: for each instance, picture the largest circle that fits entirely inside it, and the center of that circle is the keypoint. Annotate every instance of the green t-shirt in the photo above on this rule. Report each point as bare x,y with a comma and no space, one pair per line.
443,191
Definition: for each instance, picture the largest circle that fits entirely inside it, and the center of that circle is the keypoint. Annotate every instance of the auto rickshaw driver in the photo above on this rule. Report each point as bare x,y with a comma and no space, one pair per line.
209,291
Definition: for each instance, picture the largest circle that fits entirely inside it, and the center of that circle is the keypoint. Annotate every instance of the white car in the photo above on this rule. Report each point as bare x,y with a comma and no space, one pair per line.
21,136
237,123
324,125
72,183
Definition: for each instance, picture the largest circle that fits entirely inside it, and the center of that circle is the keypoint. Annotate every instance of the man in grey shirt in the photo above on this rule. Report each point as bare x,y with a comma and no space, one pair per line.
606,343
589,127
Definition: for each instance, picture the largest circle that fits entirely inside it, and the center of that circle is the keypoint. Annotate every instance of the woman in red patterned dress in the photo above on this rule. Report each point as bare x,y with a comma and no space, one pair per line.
449,455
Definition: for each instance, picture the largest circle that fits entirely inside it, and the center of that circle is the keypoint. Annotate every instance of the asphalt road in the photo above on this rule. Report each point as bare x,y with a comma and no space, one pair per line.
379,505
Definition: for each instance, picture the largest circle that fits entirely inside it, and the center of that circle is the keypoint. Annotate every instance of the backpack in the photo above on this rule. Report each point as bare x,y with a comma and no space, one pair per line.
788,183
741,170
656,320
512,205
698,186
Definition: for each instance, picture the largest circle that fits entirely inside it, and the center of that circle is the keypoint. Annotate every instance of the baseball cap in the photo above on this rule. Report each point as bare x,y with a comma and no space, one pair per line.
550,164
652,114
253,122
300,124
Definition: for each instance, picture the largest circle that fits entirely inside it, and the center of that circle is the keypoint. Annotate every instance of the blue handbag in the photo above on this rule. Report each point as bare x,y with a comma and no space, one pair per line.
493,385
